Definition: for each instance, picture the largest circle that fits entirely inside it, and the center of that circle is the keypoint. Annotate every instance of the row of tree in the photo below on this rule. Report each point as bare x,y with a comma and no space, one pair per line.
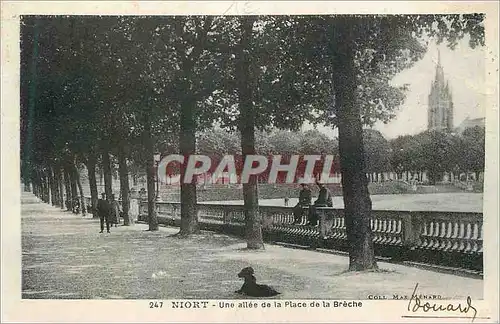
437,152
217,142
96,88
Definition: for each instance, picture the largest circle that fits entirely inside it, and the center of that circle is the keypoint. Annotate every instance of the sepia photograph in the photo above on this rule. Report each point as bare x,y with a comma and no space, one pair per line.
245,160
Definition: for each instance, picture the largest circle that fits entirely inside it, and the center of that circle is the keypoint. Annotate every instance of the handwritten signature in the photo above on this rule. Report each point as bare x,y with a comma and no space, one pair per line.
415,304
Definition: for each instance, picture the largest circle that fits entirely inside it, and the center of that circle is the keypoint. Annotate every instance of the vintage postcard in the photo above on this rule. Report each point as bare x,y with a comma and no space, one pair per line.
226,161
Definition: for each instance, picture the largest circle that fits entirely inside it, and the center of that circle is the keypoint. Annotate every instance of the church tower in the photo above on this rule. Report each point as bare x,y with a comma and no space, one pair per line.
440,113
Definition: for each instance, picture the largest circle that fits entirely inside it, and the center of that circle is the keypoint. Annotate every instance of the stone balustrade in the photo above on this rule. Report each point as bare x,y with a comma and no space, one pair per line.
448,238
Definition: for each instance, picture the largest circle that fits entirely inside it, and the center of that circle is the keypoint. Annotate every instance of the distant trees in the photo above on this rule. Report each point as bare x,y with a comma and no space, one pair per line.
470,156
216,141
377,153
437,152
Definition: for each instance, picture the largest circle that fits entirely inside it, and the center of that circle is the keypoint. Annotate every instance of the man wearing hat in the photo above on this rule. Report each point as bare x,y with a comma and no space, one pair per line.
324,200
304,201
104,211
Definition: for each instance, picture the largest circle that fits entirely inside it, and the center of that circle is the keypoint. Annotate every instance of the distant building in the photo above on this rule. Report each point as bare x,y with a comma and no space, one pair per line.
470,123
440,112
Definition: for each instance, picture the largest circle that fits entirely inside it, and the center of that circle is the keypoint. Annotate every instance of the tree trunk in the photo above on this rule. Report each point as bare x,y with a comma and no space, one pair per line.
49,187
46,188
32,98
56,186
150,178
52,183
57,190
247,128
187,141
67,187
80,189
432,177
74,187
41,192
42,188
33,184
60,187
38,182
124,185
94,194
108,177
357,200
27,184
41,185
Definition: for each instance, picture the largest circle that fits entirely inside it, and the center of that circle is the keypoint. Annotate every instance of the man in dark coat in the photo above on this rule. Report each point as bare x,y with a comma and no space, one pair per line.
304,201
104,212
324,200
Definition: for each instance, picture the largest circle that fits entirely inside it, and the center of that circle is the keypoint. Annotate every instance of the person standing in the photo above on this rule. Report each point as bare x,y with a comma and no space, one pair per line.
115,211
324,200
103,211
76,205
134,206
304,201
142,196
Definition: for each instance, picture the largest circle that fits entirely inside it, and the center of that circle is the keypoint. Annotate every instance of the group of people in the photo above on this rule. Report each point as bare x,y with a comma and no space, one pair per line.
109,212
305,197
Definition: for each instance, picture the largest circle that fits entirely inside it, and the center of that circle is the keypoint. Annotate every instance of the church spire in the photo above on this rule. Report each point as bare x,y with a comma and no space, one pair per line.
440,112
439,72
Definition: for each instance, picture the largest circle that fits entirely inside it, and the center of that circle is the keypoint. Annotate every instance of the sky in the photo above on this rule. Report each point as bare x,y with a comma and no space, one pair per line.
464,68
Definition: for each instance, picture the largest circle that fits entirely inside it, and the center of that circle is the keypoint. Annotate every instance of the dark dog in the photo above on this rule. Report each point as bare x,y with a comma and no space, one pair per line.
250,286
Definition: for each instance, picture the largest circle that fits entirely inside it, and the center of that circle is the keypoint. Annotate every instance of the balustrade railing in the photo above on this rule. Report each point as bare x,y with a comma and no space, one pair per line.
449,237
